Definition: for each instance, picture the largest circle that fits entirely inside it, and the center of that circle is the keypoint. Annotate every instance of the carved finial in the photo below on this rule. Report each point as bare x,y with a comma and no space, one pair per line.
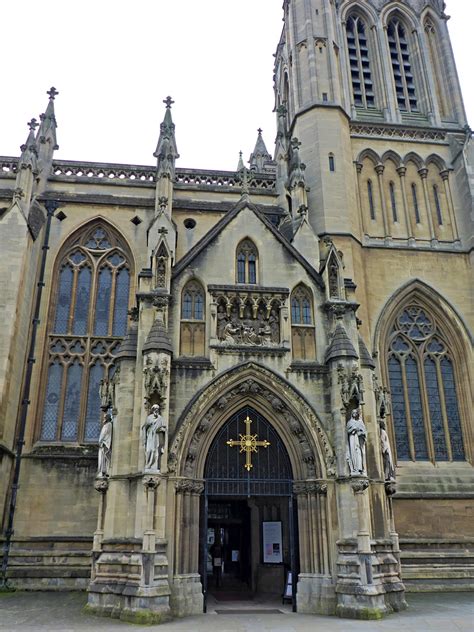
303,210
134,314
282,110
33,124
168,102
52,93
245,181
295,143
260,130
162,231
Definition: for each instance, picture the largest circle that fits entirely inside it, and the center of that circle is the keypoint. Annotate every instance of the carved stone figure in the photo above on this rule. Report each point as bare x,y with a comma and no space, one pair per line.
356,439
388,466
248,324
153,433
105,445
221,322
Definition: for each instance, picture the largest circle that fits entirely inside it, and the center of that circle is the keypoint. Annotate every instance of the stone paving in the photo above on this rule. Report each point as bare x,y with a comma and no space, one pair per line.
435,612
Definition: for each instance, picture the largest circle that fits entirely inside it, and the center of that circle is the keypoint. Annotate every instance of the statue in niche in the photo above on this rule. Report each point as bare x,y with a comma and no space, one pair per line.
262,331
153,436
105,445
356,440
388,466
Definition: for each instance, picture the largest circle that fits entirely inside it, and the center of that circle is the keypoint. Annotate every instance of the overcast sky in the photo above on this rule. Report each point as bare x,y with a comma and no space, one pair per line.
114,61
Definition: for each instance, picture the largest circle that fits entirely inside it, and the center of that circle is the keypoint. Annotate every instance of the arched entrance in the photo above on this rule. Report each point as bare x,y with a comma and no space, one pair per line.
248,536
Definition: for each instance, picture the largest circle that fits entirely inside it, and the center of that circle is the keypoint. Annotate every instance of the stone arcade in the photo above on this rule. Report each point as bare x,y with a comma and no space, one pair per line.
262,372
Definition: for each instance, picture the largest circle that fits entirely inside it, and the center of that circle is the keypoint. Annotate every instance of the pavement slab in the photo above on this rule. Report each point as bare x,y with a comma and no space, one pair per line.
63,611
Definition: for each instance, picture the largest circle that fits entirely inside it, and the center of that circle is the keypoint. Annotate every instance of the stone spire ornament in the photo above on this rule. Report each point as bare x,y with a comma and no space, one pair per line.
260,156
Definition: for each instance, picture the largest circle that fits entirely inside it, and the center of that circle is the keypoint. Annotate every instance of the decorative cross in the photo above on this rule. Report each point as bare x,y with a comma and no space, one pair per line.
260,130
33,124
162,231
168,102
52,92
248,443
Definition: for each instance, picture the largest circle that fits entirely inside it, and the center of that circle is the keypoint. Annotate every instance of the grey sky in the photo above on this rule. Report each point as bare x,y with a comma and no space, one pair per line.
114,61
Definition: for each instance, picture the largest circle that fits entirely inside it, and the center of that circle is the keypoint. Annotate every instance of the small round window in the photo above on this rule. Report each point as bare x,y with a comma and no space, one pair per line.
189,223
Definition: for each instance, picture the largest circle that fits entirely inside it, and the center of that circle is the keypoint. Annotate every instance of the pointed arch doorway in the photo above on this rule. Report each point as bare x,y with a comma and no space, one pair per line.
248,519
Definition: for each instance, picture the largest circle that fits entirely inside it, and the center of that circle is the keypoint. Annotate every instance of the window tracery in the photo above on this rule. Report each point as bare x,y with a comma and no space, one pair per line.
425,408
246,262
302,327
88,319
192,320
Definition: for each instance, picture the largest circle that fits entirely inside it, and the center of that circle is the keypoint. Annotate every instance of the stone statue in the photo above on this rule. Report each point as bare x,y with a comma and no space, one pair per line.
105,445
388,466
153,433
356,439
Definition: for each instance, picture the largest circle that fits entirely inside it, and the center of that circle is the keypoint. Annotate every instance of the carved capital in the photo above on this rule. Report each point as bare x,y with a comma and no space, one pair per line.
423,173
310,487
189,486
402,171
379,169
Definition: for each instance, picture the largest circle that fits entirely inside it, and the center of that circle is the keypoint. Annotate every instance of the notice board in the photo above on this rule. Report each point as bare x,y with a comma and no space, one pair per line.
272,543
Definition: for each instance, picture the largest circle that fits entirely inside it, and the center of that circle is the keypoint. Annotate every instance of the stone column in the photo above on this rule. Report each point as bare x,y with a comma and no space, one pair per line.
402,171
379,169
449,201
424,175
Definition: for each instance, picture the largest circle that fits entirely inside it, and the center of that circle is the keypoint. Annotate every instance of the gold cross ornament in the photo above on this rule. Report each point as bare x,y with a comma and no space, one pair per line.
248,443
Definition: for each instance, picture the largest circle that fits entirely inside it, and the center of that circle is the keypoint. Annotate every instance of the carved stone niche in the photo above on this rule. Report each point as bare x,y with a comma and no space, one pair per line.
248,317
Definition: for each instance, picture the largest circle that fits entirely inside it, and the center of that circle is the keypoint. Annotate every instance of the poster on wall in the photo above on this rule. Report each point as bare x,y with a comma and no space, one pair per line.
272,543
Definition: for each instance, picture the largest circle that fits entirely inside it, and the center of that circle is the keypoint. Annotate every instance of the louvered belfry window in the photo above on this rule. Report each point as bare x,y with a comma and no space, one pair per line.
88,320
359,60
425,409
401,67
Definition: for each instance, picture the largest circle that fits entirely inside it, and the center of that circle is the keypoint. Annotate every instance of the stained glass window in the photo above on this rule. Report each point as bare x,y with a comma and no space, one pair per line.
425,409
88,322
246,262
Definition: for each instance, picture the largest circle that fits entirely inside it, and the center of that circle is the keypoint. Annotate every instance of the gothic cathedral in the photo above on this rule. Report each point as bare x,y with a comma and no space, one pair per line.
256,381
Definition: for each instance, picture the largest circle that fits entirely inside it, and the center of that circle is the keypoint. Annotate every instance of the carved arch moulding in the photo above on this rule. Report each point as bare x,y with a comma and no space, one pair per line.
293,418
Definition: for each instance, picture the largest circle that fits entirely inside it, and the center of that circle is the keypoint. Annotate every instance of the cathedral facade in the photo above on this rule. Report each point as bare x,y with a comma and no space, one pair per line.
256,381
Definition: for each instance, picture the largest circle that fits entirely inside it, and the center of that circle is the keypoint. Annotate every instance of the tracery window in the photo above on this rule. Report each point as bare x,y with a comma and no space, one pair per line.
192,337
302,326
359,60
401,66
246,262
425,409
88,319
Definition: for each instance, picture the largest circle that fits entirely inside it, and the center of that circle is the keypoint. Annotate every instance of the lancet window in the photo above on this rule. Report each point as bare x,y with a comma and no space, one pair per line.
401,66
88,319
422,373
302,324
246,262
359,61
192,320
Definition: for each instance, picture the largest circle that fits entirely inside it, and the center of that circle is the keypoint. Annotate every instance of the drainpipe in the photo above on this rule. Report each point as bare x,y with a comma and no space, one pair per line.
51,207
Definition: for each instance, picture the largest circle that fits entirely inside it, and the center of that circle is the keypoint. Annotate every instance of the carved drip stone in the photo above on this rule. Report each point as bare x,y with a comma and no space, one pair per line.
253,388
151,482
248,317
101,485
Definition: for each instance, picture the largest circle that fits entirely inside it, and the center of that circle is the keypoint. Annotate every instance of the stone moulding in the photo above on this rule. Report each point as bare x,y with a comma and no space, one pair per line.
251,379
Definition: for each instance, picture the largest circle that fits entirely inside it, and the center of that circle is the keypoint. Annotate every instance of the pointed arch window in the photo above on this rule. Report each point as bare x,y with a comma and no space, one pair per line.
401,66
422,375
416,206
88,319
246,262
437,201
302,324
192,338
359,61
370,194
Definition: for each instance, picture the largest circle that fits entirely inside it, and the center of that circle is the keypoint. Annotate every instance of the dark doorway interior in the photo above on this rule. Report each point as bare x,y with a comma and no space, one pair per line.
229,548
